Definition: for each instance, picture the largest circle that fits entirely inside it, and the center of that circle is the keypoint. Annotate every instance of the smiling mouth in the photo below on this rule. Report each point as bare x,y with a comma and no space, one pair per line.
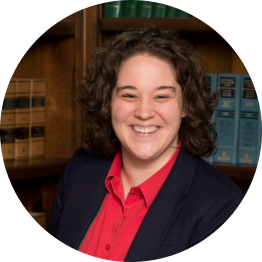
145,130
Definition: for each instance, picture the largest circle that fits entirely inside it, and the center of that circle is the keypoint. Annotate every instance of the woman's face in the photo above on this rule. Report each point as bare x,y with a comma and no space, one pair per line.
146,108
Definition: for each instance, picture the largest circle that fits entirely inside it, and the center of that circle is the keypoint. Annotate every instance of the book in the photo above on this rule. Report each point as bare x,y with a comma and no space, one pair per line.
227,117
171,11
130,8
181,13
145,9
249,124
8,122
22,119
114,9
259,134
37,118
212,81
159,10
39,217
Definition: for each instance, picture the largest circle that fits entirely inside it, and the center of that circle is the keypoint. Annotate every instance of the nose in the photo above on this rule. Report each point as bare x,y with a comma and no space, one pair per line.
144,109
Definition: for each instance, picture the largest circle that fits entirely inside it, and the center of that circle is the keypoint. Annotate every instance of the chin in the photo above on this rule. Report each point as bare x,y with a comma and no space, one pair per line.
144,155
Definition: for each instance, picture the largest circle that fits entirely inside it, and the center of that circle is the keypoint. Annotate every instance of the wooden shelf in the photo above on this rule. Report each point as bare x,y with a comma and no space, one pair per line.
61,29
49,166
180,24
237,172
35,167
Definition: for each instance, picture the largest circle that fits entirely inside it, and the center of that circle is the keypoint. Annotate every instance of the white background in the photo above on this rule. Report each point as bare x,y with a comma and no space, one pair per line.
22,22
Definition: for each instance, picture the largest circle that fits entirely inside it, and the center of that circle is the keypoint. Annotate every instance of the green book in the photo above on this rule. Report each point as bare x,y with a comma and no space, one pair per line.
130,9
144,9
189,15
114,9
171,11
182,13
159,10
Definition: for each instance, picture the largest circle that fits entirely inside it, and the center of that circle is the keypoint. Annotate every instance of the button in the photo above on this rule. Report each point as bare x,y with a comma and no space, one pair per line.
108,247
136,190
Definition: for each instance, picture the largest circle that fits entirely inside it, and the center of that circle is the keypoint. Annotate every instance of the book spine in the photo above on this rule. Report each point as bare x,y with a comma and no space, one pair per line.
212,81
37,118
188,15
159,10
259,133
181,13
130,9
114,9
8,122
22,118
227,117
248,123
171,11
145,9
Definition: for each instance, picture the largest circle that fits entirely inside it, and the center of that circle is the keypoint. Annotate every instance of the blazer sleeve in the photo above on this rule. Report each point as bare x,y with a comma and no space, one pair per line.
216,216
61,192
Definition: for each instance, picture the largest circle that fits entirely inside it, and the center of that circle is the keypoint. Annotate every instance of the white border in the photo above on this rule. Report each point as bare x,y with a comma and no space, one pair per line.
22,22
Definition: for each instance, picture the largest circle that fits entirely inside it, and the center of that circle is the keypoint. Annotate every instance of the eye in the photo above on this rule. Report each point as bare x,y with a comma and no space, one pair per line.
130,96
162,97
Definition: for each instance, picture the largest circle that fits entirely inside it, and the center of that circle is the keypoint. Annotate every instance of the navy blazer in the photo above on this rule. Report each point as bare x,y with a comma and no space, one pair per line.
195,200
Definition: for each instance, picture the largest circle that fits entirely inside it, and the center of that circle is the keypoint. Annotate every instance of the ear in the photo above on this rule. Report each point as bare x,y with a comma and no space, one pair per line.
183,114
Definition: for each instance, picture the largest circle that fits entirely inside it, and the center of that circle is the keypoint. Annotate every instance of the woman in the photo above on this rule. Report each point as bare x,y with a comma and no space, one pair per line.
137,189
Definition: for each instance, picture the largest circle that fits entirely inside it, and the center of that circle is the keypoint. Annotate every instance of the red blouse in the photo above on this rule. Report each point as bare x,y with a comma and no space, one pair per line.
114,228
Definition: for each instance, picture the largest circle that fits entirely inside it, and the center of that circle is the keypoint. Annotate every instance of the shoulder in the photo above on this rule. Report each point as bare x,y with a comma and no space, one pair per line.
207,186
213,193
211,200
214,177
82,165
83,156
203,175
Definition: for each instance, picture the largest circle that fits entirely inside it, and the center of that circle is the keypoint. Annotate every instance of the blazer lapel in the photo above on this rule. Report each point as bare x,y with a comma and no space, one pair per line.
154,227
84,200
164,210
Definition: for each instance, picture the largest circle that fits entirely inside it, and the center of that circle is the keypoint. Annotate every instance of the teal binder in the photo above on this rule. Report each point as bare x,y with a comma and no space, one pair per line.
249,124
227,118
259,136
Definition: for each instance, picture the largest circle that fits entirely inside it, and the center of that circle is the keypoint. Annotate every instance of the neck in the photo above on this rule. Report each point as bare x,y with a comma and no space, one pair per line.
136,171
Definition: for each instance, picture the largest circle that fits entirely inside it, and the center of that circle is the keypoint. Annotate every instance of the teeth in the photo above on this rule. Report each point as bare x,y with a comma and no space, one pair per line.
145,130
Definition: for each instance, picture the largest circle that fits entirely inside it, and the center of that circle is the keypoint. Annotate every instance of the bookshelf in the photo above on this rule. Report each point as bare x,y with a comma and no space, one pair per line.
60,56
180,24
57,57
61,29
35,167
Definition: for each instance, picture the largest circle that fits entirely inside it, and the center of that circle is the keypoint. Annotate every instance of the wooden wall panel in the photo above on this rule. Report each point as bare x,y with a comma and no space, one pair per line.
37,194
69,19
79,64
60,102
216,50
237,65
52,58
91,32
87,38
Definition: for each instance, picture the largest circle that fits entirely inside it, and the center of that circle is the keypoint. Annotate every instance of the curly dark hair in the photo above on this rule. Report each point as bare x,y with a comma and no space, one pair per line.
197,135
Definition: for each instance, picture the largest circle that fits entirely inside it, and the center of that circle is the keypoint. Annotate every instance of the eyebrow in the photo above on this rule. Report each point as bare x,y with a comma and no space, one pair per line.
118,89
167,87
